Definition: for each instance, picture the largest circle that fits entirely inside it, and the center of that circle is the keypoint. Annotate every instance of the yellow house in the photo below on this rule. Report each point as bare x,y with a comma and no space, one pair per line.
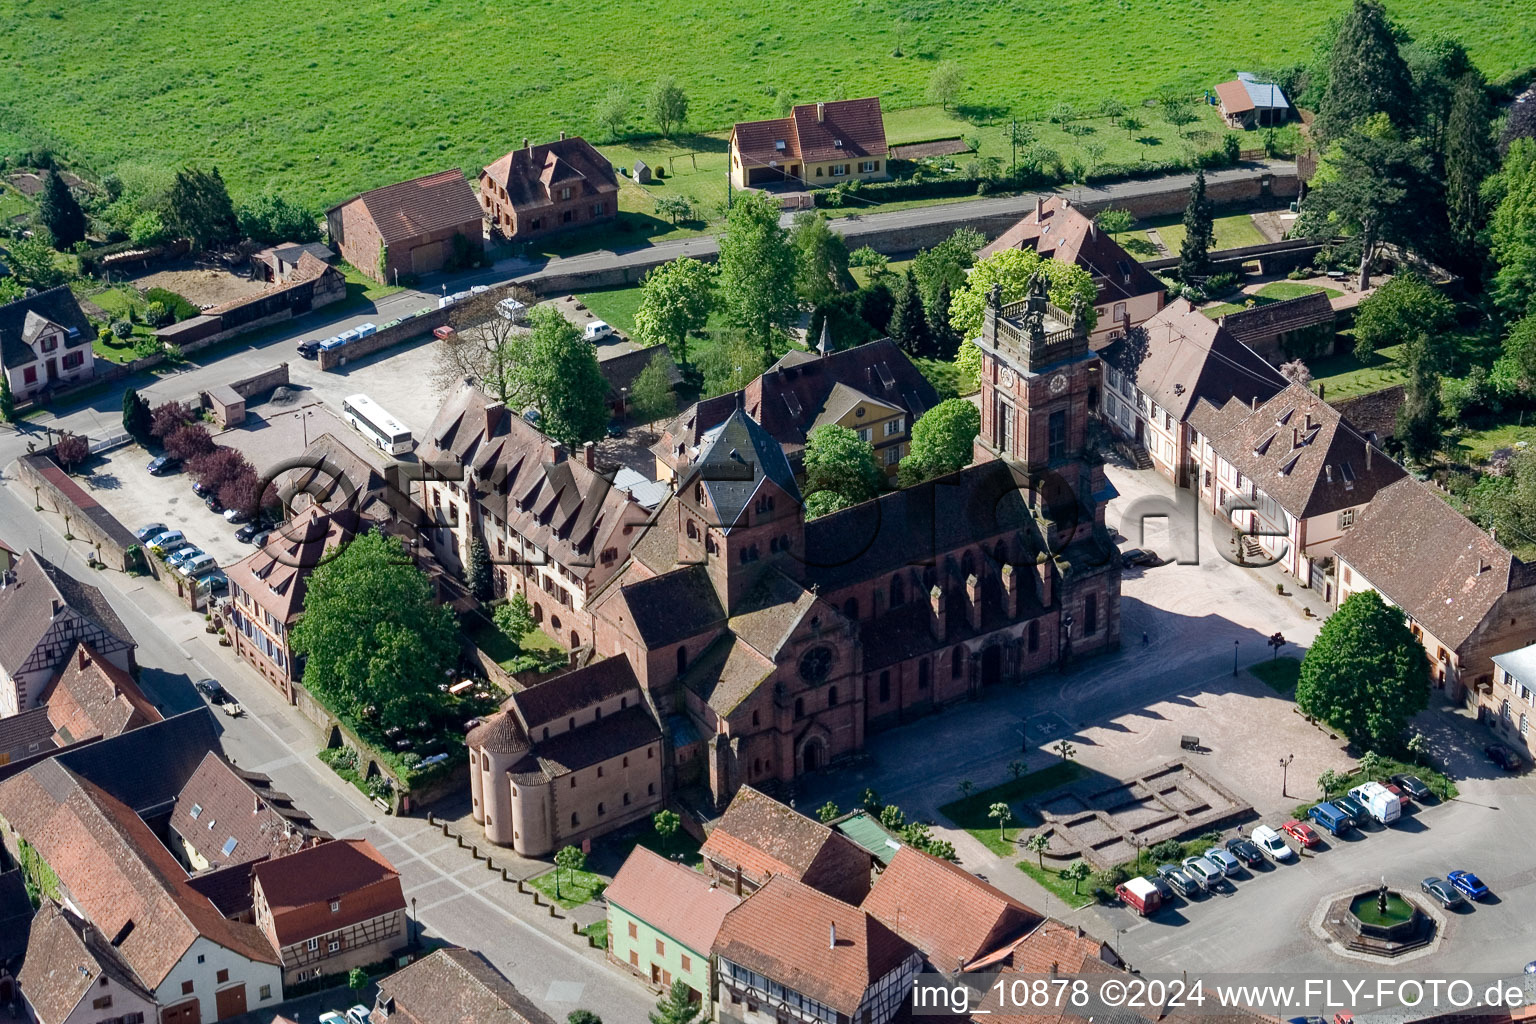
817,145
881,424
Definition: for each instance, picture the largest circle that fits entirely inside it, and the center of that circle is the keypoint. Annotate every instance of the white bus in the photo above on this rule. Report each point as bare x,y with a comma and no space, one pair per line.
369,419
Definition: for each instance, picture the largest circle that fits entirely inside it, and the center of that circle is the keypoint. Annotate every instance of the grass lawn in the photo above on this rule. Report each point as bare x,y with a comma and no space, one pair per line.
576,887
970,812
1232,231
1279,674
682,848
864,275
615,305
1344,375
946,377
345,123
500,649
13,203
598,932
1478,445
359,286
1282,290
1050,879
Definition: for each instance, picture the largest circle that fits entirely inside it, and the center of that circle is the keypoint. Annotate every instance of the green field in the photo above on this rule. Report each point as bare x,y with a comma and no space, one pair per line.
320,99
1344,375
1232,232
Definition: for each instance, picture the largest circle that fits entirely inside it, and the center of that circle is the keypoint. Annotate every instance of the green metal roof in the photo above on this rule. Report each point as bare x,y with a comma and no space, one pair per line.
867,832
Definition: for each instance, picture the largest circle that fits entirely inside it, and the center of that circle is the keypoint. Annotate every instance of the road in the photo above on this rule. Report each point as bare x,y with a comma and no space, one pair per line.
457,899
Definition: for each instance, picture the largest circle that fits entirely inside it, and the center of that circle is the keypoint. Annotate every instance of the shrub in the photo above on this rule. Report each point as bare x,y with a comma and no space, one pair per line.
1232,148
179,307
1297,275
158,315
122,328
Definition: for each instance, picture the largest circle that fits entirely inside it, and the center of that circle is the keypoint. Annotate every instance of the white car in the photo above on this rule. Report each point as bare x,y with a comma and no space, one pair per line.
597,330
1205,872
1229,864
513,310
1274,847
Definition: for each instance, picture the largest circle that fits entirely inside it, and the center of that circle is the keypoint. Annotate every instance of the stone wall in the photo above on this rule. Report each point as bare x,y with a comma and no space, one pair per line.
406,330
88,520
266,380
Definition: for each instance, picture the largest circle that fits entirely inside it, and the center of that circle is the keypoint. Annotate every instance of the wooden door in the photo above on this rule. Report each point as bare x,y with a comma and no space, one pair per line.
230,1001
182,1013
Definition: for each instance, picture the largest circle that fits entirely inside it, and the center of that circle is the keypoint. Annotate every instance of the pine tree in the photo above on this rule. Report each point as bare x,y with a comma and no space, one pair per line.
477,576
7,400
60,213
1199,230
946,340
909,323
1366,75
136,415
1469,158
676,1006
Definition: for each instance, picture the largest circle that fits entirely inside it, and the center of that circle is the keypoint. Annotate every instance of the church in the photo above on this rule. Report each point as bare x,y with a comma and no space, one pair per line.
767,646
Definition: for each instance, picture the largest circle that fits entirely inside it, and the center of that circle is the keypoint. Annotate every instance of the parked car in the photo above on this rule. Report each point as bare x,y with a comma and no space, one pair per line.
1442,891
161,465
443,333
182,554
1274,847
532,417
332,1017
215,582
1229,864
1140,895
247,531
1245,851
1301,832
144,533
1330,816
1164,890
364,330
236,515
614,430
213,503
1378,801
1350,806
513,310
1468,884
310,349
213,690
1139,556
168,541
1180,879
198,564
597,330
1415,787
260,538
1207,872
358,1015
1502,756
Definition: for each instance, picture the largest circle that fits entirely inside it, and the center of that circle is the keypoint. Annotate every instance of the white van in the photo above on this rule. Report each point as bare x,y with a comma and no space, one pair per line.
597,330
1378,802
513,310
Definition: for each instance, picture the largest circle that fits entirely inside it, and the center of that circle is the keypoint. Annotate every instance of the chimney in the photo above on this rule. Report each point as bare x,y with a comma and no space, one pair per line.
1043,591
1093,229
973,601
1221,321
255,805
493,414
589,454
1295,438
832,928
554,451
58,606
1010,592
1321,389
1039,209
562,136
821,112
738,879
84,659
936,613
528,145
1253,403
1367,456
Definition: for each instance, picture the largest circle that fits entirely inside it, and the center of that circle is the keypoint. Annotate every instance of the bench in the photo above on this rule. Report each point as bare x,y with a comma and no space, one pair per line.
1189,742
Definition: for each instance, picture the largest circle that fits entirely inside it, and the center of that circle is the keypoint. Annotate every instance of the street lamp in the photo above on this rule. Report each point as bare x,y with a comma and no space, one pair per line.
1285,765
415,935
1235,644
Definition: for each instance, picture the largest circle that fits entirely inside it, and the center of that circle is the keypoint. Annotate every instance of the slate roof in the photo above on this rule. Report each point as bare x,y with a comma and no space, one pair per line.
66,958
228,889
1375,413
454,986
216,808
1461,575
770,612
765,837
1519,663
344,476
26,608
15,915
1058,230
118,872
674,606
28,733
564,695
531,174
407,210
784,930
1271,319
276,575
594,742
856,124
735,459
300,887
1180,356
944,910
93,697
56,305
1297,449
675,900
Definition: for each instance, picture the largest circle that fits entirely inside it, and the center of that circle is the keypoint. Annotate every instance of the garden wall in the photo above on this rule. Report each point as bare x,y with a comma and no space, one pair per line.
406,330
88,520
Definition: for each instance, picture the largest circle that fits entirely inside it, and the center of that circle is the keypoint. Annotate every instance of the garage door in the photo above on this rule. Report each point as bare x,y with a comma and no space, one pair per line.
230,1001
427,258
182,1013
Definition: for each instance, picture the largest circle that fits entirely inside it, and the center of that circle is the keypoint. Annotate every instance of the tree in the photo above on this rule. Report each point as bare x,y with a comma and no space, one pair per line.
612,111
7,400
821,257
1077,872
568,859
1000,813
650,396
676,299
757,271
1017,769
946,340
827,812
357,980
136,415
562,376
1329,781
1514,372
215,467
677,207
1406,307
1366,75
1512,228
1199,233
60,212
677,1006
70,450
31,260
274,218
946,263
1366,673
485,349
1011,270
966,787
477,575
945,83
942,440
515,618
666,823
1037,844
1418,418
667,106
909,323
1064,749
1115,220
731,364
1111,108
1373,183
1469,159
1178,113
892,818
1296,372
147,228
10,289
241,491
165,418
582,1017
837,460
1132,124
824,503
377,642
200,208
1020,136
188,441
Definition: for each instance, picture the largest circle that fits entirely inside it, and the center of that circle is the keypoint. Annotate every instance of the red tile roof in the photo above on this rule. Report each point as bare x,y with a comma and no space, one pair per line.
765,837
407,210
529,175
93,697
300,888
226,821
679,901
277,575
1057,229
809,135
1234,97
944,910
453,986
809,942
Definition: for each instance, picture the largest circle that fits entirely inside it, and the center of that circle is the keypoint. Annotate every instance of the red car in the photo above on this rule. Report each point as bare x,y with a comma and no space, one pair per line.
1402,798
1303,834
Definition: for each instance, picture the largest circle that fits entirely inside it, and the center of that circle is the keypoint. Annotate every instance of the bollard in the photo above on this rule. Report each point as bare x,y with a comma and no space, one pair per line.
592,941
490,865
430,820
504,876
460,841
575,928
520,886
536,901
552,910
